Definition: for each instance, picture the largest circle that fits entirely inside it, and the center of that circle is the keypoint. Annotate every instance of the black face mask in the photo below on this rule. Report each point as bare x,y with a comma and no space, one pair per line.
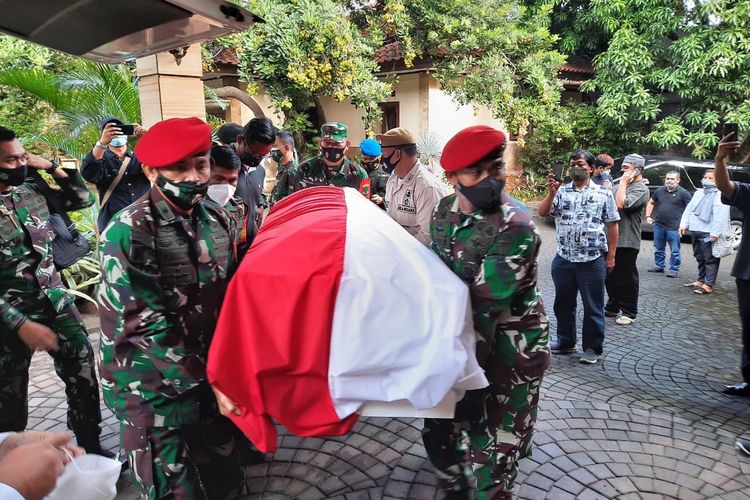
13,176
485,195
250,160
388,165
333,155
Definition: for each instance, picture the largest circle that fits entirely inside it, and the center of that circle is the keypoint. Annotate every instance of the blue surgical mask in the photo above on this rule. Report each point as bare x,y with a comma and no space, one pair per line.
118,141
708,183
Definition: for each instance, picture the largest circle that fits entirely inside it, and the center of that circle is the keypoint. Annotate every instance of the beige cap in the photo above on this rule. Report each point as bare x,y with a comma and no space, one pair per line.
396,137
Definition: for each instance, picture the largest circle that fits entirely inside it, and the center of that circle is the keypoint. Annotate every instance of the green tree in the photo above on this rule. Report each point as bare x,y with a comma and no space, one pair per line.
496,53
673,71
307,49
19,111
79,96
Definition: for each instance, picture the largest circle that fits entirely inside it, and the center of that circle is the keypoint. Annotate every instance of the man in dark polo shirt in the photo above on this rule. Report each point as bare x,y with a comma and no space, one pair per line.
737,194
664,211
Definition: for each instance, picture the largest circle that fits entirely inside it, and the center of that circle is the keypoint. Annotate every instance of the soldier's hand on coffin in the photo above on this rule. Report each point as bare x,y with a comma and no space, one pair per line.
226,406
38,337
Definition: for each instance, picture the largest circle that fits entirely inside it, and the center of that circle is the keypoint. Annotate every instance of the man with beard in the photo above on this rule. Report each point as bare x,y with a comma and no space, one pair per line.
332,167
253,145
586,231
164,262
370,151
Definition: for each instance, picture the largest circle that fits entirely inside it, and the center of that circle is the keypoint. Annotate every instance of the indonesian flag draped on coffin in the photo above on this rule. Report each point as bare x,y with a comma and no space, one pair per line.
336,305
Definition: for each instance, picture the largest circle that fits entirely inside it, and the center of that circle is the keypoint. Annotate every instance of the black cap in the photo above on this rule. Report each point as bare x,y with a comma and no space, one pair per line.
110,119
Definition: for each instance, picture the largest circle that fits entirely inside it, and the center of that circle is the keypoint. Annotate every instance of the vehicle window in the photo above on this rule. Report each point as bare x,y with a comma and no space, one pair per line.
740,175
655,174
696,175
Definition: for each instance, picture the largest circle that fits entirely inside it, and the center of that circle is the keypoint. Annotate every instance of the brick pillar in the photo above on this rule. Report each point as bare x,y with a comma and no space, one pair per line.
171,90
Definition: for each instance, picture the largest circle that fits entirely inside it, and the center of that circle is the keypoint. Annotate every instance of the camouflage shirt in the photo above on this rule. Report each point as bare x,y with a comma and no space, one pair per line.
27,273
312,173
163,280
285,176
236,211
496,255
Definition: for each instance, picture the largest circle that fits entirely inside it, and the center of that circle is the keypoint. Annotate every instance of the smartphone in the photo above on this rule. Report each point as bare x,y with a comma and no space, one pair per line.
127,129
557,169
729,128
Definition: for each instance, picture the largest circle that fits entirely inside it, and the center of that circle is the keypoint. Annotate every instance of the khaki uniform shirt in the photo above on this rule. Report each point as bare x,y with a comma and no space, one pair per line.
412,200
270,181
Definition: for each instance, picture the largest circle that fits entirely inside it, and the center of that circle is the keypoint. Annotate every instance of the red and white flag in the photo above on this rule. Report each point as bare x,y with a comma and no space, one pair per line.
336,305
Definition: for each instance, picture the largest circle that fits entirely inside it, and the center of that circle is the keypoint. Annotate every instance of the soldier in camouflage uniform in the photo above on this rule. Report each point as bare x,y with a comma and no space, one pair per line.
36,311
283,154
370,150
221,193
332,167
493,246
165,260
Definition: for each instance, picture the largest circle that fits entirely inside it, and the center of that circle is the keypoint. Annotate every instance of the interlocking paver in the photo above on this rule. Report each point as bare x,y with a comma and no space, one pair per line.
647,422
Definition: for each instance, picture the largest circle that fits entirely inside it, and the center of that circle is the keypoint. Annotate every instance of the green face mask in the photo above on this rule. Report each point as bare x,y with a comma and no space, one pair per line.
184,195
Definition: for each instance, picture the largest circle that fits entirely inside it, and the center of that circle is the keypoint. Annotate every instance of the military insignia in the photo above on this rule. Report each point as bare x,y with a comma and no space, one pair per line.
364,187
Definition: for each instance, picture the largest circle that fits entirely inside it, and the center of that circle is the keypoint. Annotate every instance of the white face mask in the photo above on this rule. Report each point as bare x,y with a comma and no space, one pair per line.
221,193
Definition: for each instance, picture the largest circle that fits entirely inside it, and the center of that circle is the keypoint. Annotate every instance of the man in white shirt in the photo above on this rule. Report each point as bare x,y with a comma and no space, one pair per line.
412,192
31,462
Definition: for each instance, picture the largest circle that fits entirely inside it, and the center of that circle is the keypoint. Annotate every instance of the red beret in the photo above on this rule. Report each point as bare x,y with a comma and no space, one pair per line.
469,146
172,141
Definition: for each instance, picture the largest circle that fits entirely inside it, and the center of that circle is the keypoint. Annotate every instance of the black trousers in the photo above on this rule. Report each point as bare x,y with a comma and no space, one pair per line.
743,297
622,284
708,265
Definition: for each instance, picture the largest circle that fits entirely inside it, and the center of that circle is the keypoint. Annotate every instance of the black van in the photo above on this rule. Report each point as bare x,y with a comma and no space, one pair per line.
691,172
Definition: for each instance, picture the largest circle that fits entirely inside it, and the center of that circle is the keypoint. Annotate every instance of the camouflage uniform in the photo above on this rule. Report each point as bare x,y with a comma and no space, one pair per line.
163,280
313,173
285,176
32,291
236,211
496,255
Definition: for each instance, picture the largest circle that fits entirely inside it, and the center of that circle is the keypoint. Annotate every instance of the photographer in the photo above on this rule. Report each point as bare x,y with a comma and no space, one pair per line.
114,169
737,194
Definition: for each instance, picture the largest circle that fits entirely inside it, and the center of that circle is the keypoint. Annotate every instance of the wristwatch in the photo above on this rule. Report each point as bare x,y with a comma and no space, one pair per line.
101,146
52,167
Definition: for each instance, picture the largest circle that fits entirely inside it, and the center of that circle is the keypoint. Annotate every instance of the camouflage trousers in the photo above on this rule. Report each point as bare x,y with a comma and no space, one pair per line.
480,447
197,461
74,364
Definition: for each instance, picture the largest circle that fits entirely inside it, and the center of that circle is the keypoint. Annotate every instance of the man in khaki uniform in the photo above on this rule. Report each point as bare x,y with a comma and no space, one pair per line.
412,192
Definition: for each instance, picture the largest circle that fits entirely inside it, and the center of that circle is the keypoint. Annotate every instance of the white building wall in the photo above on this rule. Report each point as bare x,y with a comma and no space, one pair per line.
447,117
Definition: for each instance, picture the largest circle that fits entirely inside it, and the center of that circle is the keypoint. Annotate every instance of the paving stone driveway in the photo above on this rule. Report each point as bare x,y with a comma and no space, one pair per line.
647,422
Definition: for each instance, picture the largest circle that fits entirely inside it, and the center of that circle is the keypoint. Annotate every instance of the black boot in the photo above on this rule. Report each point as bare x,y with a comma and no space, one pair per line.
88,439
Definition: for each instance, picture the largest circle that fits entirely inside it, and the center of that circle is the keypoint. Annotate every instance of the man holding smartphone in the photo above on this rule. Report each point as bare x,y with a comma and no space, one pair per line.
737,194
113,168
586,232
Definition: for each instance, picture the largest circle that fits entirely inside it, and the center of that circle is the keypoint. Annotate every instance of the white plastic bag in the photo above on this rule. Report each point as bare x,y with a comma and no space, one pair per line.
88,477
723,246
